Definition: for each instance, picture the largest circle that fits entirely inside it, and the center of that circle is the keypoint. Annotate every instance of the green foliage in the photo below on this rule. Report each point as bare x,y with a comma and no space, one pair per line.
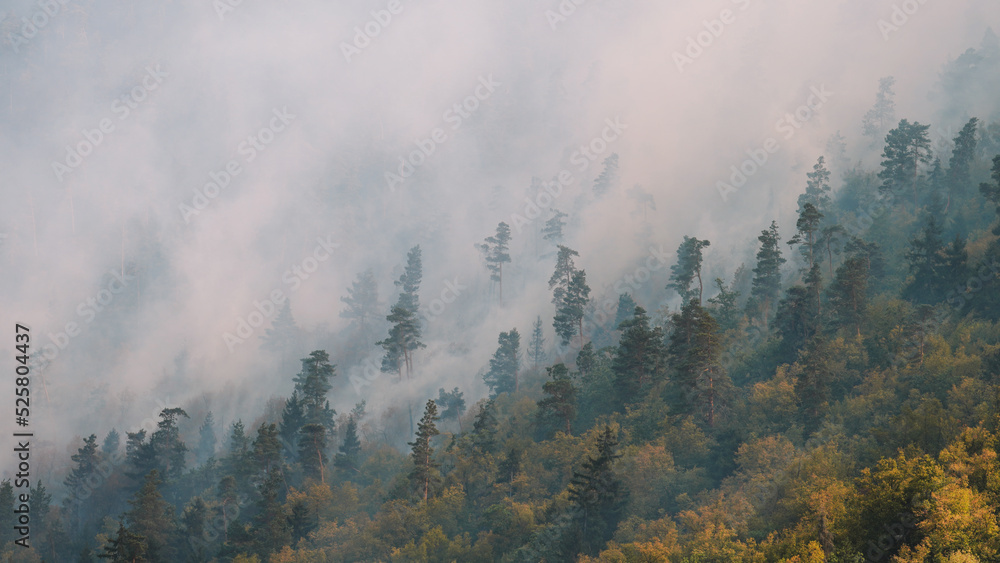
502,376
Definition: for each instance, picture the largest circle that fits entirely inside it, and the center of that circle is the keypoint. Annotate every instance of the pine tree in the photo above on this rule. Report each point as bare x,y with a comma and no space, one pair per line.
312,451
536,347
194,525
906,148
558,407
798,316
807,227
687,268
312,385
812,383
238,460
962,157
270,528
502,376
563,275
553,230
626,309
608,178
140,456
586,358
639,360
991,191
404,336
597,494
79,486
817,188
109,448
362,302
496,254
883,113
347,456
7,521
425,472
452,404
152,518
767,275
206,439
828,242
39,503
568,320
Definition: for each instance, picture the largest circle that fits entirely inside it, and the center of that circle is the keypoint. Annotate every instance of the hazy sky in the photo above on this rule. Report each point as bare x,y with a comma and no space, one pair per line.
114,118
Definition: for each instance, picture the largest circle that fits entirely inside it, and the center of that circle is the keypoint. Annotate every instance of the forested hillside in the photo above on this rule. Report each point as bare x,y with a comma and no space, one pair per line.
834,398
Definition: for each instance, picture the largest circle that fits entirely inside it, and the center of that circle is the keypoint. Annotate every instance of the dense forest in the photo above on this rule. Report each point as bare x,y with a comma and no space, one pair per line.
836,399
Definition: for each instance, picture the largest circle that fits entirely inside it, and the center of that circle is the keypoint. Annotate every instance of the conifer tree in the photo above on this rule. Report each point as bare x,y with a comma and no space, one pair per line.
723,306
694,349
283,336
270,529
312,451
312,385
553,230
496,254
404,336
962,156
568,320
7,521
767,275
687,268
452,404
848,293
558,407
362,302
626,309
907,147
881,116
598,495
425,470
991,190
639,360
140,456
152,518
927,263
817,188
484,427
167,446
502,376
125,547
194,525
563,275
608,178
266,451
536,347
111,444
347,455
807,228
206,439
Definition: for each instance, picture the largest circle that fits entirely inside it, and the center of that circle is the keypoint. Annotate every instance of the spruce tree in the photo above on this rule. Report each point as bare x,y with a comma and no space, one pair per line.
266,451
962,157
347,455
194,525
598,495
927,263
817,188
991,190
687,268
536,347
206,439
568,320
558,407
362,302
881,116
167,445
626,309
694,348
293,417
848,293
283,336
484,427
109,448
270,530
496,254
502,376
425,471
807,228
767,275
125,547
639,360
